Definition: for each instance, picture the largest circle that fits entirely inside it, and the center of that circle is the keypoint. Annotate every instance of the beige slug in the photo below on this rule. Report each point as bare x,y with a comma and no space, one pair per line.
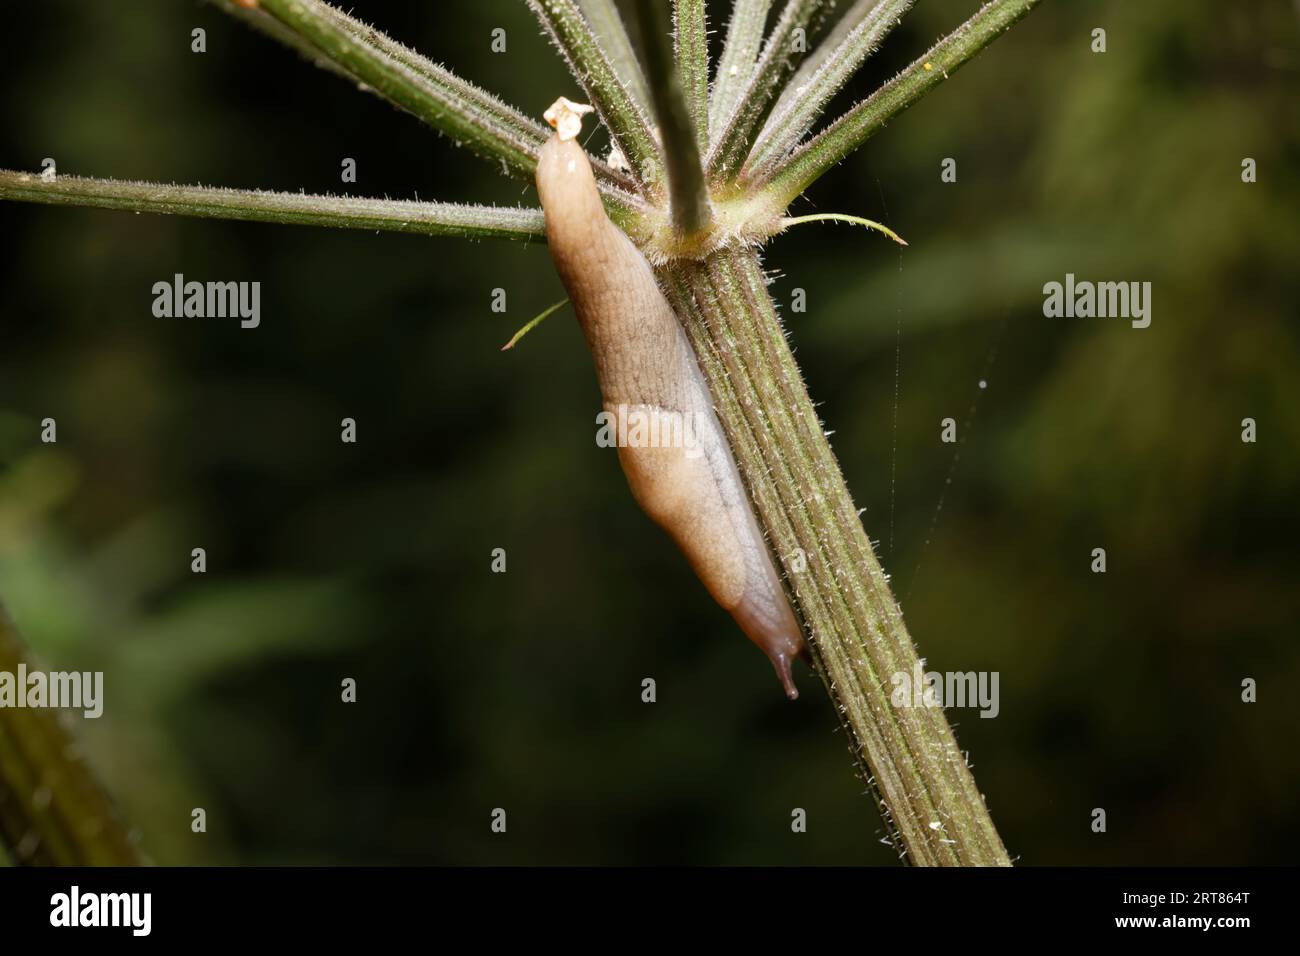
646,368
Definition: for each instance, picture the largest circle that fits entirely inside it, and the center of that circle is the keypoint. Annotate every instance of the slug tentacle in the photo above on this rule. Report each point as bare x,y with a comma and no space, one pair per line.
677,460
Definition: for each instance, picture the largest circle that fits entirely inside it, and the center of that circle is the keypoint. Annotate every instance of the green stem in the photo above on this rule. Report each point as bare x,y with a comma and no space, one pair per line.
619,189
812,160
628,126
908,755
534,323
341,212
468,115
691,47
53,809
827,45
266,24
739,53
687,189
781,54
807,95
611,34
842,217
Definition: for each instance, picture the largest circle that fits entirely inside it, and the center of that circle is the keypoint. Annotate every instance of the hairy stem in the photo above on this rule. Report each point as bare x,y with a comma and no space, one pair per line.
827,45
784,48
687,189
812,160
628,125
909,757
611,34
268,25
807,95
739,52
53,809
340,212
466,98
691,35
438,101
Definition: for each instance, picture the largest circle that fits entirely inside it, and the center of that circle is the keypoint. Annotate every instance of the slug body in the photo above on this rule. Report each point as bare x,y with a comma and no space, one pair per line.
647,370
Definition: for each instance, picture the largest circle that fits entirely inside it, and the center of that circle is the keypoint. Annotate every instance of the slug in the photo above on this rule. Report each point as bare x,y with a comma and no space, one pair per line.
647,371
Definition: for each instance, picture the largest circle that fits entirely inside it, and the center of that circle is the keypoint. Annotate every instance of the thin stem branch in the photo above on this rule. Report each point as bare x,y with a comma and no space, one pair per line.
530,130
907,755
688,192
463,99
691,46
827,45
473,100
812,160
843,217
782,52
804,99
739,53
53,809
628,126
268,25
607,25
340,212
533,323
441,101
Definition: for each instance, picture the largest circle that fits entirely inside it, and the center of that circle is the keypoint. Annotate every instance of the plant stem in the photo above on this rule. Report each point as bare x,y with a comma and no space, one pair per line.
475,99
53,809
807,95
433,94
811,161
472,100
691,39
468,115
828,44
628,126
908,755
736,65
611,34
264,23
781,54
342,212
687,190
843,217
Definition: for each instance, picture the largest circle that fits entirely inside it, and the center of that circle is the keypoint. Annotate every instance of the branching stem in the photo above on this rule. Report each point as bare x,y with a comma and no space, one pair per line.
908,755
340,212
812,160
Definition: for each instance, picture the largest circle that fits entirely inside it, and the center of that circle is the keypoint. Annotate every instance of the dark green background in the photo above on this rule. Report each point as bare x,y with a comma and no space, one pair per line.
521,690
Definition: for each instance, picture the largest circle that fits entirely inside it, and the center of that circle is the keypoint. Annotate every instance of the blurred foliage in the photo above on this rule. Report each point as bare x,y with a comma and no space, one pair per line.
480,690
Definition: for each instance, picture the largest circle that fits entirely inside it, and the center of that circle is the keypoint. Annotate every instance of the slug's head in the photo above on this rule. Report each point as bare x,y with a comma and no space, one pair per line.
566,185
737,220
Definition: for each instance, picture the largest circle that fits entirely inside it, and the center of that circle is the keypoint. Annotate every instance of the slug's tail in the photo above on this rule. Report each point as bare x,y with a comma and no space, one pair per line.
765,616
781,662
